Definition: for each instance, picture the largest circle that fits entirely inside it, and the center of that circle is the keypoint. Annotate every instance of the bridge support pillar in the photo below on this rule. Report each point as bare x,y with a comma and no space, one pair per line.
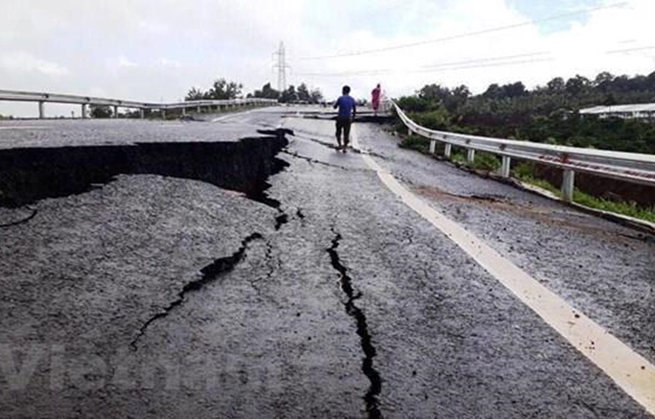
568,185
183,111
470,155
506,166
115,114
448,150
433,145
41,110
142,113
163,113
198,109
84,111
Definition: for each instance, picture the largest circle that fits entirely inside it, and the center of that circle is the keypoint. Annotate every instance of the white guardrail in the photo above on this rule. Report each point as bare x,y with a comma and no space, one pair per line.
629,167
85,101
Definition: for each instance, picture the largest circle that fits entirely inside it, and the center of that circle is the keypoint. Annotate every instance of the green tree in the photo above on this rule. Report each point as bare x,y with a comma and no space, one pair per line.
303,93
195,94
556,85
578,85
316,95
267,92
100,111
289,95
222,89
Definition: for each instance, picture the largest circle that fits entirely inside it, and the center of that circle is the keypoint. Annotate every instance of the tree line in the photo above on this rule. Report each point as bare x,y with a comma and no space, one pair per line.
546,113
223,89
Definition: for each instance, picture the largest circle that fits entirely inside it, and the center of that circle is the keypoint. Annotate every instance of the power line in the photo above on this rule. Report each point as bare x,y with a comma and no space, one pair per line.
480,60
465,64
463,35
434,66
446,67
620,51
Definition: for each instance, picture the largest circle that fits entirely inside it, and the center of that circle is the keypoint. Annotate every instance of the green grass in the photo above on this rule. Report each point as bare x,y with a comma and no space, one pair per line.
543,184
458,158
482,161
630,209
625,208
525,172
416,142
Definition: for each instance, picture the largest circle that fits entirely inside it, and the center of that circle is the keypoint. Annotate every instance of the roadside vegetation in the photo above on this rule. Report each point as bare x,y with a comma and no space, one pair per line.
547,114
223,89
526,172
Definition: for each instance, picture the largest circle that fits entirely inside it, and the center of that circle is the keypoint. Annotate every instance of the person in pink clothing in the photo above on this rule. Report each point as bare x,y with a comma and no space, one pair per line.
375,99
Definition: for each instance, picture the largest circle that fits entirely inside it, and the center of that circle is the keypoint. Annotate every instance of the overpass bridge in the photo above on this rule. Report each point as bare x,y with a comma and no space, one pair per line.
242,267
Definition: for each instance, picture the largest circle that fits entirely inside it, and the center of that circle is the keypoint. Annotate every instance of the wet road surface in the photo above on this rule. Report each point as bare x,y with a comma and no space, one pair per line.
164,296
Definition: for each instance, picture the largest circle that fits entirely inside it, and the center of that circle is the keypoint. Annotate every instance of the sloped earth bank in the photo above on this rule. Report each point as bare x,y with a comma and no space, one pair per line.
324,296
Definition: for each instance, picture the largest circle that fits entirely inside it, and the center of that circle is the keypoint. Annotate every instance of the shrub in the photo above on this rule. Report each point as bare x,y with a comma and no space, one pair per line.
416,142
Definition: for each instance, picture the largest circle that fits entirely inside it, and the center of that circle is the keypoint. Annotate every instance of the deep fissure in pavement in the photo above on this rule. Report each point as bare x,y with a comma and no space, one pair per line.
210,273
31,174
371,396
21,221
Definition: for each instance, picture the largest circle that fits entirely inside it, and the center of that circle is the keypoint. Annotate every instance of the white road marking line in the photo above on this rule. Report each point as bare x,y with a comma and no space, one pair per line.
629,370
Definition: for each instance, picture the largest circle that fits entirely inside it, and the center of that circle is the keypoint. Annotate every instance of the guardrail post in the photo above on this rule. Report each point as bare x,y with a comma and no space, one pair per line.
183,111
198,109
505,168
568,185
409,131
41,110
83,110
115,115
470,155
433,145
448,150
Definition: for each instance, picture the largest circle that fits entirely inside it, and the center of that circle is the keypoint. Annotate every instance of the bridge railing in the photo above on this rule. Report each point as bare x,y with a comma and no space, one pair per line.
630,167
85,101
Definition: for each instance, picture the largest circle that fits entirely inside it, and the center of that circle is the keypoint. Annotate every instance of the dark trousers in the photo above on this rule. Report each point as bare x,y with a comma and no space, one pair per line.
343,124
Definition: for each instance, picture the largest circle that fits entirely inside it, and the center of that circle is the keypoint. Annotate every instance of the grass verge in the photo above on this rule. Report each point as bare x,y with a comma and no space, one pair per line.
524,172
629,209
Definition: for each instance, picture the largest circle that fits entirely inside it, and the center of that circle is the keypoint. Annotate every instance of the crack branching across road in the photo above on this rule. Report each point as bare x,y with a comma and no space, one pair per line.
209,273
371,396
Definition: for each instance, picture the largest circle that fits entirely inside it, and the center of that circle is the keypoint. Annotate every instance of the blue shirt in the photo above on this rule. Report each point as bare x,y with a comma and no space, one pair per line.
346,105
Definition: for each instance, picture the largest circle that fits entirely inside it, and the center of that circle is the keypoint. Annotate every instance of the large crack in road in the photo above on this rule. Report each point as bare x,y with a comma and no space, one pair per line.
31,174
371,396
210,273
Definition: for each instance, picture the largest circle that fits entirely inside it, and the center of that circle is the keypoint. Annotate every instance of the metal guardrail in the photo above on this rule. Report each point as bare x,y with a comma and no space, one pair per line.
630,167
84,101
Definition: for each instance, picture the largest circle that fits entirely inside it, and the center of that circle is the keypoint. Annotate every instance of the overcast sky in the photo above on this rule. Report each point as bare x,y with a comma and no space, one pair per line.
156,50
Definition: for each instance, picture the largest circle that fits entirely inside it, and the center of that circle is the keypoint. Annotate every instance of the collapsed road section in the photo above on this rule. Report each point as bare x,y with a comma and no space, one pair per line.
30,174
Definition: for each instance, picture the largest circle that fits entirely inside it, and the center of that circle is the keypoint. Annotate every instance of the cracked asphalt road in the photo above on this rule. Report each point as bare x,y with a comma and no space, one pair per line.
335,300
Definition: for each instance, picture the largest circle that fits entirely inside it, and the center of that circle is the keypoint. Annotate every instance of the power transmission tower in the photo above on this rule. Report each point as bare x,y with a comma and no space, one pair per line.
281,67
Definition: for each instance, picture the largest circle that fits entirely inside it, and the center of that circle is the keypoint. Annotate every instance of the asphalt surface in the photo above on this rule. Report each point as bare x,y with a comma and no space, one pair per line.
165,297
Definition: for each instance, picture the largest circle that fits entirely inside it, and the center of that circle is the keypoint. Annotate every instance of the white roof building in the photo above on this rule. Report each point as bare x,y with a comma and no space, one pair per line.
639,111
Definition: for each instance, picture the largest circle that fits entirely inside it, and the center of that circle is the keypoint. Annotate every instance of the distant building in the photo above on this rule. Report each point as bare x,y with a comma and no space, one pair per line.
636,111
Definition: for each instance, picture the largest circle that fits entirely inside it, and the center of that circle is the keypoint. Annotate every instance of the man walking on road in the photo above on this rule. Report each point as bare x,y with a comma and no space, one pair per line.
375,99
347,112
